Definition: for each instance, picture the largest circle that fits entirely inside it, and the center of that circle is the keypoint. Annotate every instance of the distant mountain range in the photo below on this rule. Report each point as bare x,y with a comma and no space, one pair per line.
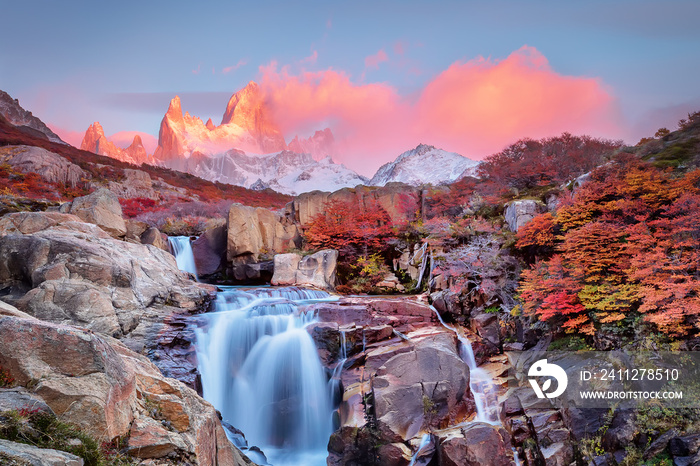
248,149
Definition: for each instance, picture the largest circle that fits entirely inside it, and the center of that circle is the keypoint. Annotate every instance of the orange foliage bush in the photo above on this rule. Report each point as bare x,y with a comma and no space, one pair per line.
629,246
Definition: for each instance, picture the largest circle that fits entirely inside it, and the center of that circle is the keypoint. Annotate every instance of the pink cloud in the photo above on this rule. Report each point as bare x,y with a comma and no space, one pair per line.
373,61
74,138
310,60
229,69
480,105
399,47
474,108
199,67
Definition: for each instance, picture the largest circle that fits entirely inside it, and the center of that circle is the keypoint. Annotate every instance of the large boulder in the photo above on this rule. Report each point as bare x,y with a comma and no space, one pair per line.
103,209
60,269
99,385
154,237
78,374
518,213
423,388
255,234
475,445
134,183
50,166
317,270
210,250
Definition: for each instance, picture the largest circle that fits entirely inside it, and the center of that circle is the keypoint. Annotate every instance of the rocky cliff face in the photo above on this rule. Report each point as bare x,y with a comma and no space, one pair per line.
11,111
76,274
401,202
247,110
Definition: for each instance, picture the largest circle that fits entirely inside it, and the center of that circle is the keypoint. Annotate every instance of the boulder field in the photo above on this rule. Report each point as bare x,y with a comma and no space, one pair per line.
81,311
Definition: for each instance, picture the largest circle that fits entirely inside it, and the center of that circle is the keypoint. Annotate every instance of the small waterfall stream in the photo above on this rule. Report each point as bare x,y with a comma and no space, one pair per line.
261,369
480,383
182,250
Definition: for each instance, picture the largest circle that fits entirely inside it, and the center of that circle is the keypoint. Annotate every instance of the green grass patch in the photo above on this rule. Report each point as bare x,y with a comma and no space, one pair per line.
676,154
569,343
45,430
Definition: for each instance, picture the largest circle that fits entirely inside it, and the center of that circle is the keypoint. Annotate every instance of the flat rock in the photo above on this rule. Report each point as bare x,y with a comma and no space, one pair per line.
29,455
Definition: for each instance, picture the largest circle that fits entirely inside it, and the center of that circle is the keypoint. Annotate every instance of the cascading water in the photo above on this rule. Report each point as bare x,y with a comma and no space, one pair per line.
261,369
424,441
480,383
334,382
182,250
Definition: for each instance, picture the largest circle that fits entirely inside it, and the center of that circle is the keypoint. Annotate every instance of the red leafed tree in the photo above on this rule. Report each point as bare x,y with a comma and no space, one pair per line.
349,228
548,291
599,259
666,263
629,244
529,163
537,238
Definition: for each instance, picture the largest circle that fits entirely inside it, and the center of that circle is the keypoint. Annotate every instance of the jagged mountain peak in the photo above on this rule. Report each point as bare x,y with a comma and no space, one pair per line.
96,141
175,108
320,145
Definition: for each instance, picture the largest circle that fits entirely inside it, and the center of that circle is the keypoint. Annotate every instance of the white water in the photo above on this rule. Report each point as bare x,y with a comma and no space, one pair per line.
261,369
334,382
481,385
424,441
182,250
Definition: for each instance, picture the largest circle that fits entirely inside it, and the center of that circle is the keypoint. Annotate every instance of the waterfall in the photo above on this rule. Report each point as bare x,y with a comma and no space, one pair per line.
334,382
480,383
261,369
424,441
182,250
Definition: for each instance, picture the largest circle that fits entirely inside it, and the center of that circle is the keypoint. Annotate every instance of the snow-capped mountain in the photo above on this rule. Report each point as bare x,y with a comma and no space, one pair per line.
424,164
286,172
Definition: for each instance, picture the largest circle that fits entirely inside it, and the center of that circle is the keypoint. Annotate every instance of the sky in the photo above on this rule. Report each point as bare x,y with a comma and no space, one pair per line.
469,77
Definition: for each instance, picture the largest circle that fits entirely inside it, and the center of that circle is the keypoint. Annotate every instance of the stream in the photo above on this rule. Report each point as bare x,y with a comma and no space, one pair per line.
261,369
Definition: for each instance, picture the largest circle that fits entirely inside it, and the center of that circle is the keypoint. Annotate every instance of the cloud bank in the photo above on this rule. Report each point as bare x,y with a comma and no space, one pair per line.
475,108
